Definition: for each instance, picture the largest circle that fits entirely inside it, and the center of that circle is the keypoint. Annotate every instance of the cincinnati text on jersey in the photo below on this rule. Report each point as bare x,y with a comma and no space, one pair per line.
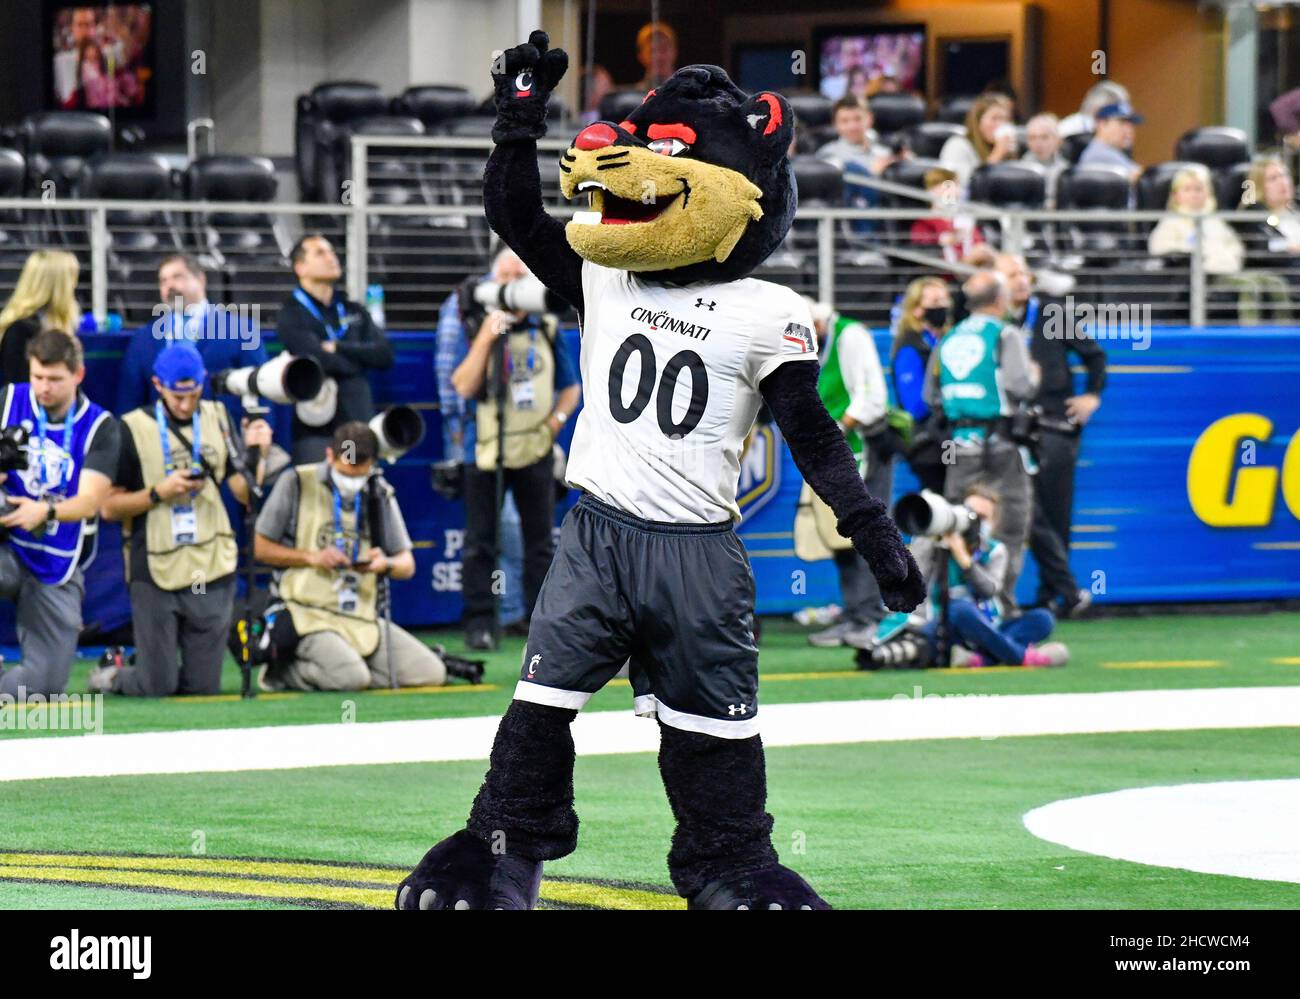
662,320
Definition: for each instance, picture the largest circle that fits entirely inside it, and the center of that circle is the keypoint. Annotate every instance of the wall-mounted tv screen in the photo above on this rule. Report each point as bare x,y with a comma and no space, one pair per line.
103,56
864,61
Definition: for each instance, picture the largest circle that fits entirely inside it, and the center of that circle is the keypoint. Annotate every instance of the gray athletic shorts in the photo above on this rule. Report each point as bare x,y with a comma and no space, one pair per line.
673,601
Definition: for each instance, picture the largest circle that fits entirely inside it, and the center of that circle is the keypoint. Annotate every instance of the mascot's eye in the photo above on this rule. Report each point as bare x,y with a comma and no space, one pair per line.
668,147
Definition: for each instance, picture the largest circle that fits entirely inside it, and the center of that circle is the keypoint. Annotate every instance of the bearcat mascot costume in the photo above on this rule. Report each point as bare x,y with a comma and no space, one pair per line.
679,350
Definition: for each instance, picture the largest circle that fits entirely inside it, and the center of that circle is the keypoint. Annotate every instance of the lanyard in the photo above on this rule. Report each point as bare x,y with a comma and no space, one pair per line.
1031,313
309,303
65,466
165,437
338,522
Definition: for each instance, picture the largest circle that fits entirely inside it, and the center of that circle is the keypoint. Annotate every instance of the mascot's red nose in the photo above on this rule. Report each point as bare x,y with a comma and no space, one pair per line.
596,136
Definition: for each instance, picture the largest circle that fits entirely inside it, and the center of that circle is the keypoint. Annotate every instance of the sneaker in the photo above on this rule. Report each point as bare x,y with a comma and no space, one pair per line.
964,658
481,640
1048,654
832,637
267,683
1080,605
101,679
860,636
459,666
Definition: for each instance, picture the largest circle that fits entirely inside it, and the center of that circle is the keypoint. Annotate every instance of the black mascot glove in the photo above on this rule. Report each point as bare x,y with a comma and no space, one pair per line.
523,78
877,540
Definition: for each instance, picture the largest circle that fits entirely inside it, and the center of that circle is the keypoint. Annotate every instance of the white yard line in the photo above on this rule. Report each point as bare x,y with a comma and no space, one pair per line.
435,740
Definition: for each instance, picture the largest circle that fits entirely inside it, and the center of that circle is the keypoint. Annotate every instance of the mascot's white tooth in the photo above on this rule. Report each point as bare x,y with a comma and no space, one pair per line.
586,218
592,185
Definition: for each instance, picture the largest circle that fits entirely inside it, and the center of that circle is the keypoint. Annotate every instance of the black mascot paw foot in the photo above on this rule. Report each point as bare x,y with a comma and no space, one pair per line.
774,887
461,872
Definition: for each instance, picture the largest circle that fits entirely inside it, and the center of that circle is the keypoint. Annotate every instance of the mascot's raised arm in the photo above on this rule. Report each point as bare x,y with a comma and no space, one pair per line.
680,347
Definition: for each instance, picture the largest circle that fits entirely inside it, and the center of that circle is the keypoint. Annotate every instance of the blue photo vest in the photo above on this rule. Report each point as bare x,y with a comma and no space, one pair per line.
52,472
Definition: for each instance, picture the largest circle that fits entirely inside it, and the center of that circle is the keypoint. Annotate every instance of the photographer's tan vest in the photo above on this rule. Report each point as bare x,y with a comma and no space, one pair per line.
213,554
310,593
528,438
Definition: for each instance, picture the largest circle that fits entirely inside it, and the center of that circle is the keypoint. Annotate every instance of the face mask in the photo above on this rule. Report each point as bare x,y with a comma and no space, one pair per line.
936,318
347,485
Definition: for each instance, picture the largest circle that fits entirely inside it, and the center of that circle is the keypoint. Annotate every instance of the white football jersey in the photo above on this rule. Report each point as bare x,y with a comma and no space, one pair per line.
670,378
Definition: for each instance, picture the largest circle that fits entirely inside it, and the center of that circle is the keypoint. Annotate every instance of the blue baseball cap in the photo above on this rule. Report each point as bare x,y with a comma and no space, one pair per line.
1121,109
180,362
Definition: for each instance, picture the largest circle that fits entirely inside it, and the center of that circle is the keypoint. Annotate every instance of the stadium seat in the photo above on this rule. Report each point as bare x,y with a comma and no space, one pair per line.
616,105
1086,187
954,109
1230,185
1213,145
896,112
909,173
58,145
18,229
1072,146
1153,185
245,250
810,110
1009,185
434,103
318,117
137,239
926,139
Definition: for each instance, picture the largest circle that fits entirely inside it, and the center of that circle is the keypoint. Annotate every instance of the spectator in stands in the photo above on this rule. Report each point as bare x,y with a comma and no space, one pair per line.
955,232
1044,141
174,456
1285,110
852,386
320,321
1053,337
53,508
1112,139
331,528
990,138
924,315
858,143
1191,201
1273,242
656,51
45,297
983,372
543,392
1083,121
184,314
595,85
458,428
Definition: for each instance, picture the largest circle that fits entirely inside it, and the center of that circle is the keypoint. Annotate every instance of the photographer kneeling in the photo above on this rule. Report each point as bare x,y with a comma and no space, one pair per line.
333,528
59,453
180,549
977,564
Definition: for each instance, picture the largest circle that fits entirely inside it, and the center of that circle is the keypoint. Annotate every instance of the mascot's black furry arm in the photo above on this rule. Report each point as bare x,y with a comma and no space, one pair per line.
695,186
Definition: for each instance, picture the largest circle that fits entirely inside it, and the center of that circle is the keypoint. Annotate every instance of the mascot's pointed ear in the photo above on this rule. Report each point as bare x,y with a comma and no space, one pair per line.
771,121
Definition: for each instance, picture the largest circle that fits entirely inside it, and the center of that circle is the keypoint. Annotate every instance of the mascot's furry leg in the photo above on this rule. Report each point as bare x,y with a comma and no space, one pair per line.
522,816
722,855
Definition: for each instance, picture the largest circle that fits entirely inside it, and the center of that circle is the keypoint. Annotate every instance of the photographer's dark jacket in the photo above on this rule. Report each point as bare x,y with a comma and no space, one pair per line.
303,326
149,550
1053,354
86,439
304,511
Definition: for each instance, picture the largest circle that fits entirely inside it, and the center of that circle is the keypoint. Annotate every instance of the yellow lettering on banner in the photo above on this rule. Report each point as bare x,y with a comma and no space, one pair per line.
1211,469
1291,476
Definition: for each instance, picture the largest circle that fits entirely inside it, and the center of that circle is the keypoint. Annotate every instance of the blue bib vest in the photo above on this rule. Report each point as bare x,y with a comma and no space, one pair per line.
52,472
968,374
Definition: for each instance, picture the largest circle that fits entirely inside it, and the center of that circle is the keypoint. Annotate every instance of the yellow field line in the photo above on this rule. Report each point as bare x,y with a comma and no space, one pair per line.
1164,664
1286,661
220,876
460,688
279,695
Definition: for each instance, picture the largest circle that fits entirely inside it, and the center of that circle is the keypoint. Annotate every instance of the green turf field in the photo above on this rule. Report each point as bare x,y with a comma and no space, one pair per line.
927,823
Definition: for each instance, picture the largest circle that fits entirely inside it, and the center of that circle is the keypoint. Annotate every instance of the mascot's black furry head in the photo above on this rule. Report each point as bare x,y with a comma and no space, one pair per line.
695,185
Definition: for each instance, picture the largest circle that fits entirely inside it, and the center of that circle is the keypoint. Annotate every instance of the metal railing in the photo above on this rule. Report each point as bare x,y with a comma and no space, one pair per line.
410,219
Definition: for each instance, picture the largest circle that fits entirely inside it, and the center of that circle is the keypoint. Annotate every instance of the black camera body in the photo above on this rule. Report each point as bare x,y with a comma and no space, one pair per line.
1027,423
13,448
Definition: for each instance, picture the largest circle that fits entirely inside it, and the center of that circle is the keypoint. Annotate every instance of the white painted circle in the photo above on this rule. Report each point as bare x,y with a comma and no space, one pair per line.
1245,829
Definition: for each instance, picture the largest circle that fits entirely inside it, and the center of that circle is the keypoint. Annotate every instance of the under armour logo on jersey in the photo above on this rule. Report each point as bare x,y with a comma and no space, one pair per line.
532,664
737,709
699,302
